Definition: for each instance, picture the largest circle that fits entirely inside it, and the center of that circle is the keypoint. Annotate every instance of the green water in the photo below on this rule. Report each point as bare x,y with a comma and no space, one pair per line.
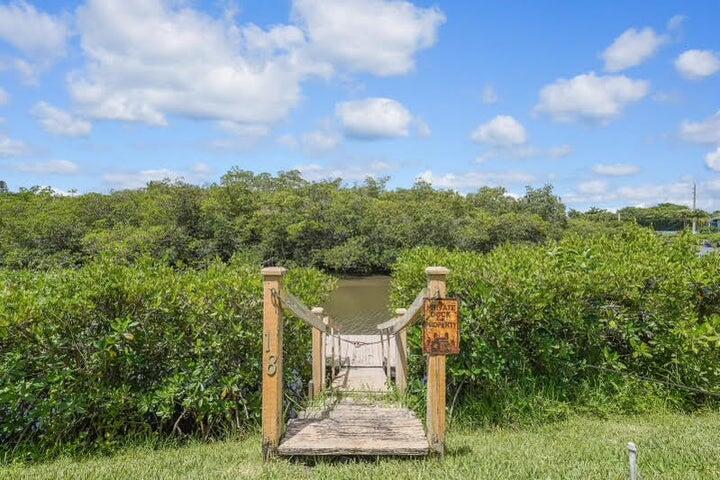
359,304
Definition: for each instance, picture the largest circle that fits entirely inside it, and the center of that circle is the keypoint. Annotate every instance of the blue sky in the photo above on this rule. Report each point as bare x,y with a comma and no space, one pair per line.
613,106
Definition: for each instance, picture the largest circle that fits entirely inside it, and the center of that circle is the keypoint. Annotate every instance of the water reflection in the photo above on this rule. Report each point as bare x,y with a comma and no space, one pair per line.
360,303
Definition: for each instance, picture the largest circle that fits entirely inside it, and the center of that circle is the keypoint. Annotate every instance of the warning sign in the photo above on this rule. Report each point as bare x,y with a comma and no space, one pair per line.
441,332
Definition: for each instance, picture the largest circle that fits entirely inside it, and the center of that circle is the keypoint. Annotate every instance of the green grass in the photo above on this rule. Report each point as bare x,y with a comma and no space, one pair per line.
671,446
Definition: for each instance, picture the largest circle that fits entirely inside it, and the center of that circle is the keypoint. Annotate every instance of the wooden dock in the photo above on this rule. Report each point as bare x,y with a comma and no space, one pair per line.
353,427
356,425
357,417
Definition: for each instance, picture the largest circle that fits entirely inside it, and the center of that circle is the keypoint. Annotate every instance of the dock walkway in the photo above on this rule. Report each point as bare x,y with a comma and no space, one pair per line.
354,425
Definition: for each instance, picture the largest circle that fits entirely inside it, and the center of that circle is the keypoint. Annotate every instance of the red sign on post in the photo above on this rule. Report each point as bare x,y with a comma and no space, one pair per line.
441,331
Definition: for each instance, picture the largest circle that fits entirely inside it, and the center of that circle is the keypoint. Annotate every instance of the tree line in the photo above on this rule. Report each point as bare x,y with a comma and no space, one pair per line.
283,218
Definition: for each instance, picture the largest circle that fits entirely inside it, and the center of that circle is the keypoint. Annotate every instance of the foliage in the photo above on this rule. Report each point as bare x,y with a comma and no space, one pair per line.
103,352
578,323
671,447
359,228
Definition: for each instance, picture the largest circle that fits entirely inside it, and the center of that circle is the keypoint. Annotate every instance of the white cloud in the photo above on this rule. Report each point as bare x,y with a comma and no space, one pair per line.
374,118
319,142
10,147
287,140
676,22
501,131
38,36
647,194
315,172
592,187
590,97
706,131
61,167
474,180
632,48
489,95
249,132
4,97
422,128
33,33
375,36
560,151
712,160
697,64
59,122
615,169
148,59
137,179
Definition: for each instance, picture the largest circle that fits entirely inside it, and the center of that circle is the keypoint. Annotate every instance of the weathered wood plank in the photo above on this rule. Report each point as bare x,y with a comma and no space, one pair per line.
272,360
435,418
361,379
355,428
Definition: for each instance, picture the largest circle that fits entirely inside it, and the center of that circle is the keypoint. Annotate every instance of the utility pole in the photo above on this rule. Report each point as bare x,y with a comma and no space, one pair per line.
694,219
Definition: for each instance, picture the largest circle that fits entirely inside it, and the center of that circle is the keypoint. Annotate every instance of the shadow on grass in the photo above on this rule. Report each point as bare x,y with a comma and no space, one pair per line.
312,461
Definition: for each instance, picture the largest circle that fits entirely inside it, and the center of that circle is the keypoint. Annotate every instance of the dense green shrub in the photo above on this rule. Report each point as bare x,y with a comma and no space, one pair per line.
579,323
107,351
328,224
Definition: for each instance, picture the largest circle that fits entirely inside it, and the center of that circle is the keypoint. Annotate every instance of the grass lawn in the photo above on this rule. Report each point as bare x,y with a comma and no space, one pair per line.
670,447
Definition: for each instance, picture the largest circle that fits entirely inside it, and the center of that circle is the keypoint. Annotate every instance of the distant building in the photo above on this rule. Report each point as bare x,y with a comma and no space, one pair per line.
714,223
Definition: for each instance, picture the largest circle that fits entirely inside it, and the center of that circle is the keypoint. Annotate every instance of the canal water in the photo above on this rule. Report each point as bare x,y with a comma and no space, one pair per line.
359,304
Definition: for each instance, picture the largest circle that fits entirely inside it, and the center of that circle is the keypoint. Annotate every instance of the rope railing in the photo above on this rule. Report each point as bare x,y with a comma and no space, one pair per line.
395,325
292,303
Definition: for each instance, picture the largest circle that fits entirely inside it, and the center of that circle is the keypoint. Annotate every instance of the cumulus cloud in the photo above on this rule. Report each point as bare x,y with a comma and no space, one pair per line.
632,48
697,64
351,173
712,160
501,131
590,97
39,37
10,147
59,122
615,169
199,172
473,180
147,59
375,36
51,167
705,132
374,118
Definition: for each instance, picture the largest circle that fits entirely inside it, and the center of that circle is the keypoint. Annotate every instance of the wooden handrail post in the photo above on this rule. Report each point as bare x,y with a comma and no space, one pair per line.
436,288
272,360
317,343
401,355
323,352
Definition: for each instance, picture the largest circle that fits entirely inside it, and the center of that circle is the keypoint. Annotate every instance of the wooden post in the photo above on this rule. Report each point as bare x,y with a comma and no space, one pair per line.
401,355
332,353
317,375
436,287
272,360
323,352
388,365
